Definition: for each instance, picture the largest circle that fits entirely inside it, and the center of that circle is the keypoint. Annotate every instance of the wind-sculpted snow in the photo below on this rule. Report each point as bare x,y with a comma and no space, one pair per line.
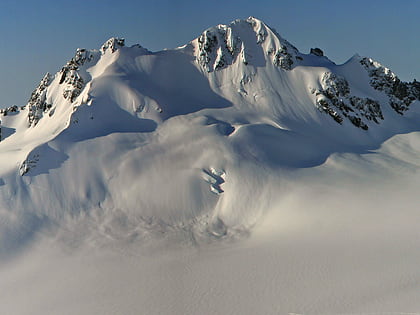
177,137
236,136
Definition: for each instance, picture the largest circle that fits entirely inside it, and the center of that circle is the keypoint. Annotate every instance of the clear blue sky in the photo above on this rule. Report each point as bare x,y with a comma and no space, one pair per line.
40,36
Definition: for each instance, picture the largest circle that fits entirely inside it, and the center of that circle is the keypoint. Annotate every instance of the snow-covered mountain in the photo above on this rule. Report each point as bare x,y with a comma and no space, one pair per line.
194,143
169,135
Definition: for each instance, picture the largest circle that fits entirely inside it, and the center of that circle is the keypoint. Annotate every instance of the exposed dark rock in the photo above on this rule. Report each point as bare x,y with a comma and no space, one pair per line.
401,94
326,105
37,102
75,85
415,89
283,59
11,109
69,74
218,47
206,43
357,121
335,100
317,52
368,108
112,44
334,85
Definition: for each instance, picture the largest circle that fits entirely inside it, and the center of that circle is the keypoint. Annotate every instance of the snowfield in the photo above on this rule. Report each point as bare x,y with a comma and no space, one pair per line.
232,175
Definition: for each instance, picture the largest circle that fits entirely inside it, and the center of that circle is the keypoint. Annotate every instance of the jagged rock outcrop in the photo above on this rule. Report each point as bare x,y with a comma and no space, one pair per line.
74,86
69,74
401,94
334,99
220,46
82,56
10,109
283,59
217,48
317,52
112,44
37,103
369,108
329,97
71,78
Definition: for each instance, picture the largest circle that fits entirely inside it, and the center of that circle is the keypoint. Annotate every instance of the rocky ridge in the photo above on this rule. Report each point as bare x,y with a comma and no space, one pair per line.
69,77
334,98
401,94
221,45
242,42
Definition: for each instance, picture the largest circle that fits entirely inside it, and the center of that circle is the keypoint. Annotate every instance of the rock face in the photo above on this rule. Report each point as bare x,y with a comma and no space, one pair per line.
401,94
112,44
283,58
70,77
317,52
10,109
220,46
334,98
37,103
217,48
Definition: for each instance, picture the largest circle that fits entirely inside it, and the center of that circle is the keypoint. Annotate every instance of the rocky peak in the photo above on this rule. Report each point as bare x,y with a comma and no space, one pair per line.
222,45
217,47
82,56
70,77
112,44
282,53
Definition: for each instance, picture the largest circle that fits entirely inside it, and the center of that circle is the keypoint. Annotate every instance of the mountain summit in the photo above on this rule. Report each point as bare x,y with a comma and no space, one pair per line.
184,139
249,40
232,175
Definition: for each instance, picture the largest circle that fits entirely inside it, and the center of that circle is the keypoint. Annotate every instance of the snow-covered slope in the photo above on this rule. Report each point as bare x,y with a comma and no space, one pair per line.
194,144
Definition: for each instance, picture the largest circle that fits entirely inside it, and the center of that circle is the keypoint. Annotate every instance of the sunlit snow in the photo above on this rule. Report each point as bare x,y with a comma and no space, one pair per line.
232,175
